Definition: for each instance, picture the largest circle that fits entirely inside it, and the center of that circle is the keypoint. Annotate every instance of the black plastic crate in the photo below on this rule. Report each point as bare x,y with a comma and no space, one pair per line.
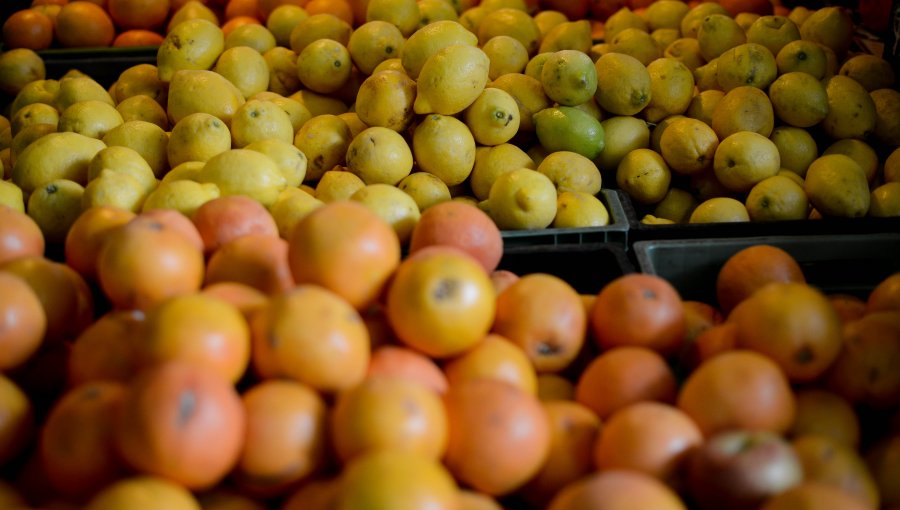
587,267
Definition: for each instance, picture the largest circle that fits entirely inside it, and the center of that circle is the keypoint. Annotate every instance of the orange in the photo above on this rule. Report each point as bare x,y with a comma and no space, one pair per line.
76,444
267,6
501,279
224,219
499,436
750,269
554,387
312,335
883,460
87,234
472,500
715,340
826,414
462,225
173,220
847,306
623,376
107,350
735,7
235,8
143,493
138,14
863,372
257,260
22,322
698,317
616,490
544,316
497,358
383,413
640,310
238,21
137,37
18,423
28,28
227,499
286,436
738,389
838,465
19,235
346,248
84,24
440,302
649,437
885,295
244,297
338,8
167,408
407,364
397,480
315,494
814,496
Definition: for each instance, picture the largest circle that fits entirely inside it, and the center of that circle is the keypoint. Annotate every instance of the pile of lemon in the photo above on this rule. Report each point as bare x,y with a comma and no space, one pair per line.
699,116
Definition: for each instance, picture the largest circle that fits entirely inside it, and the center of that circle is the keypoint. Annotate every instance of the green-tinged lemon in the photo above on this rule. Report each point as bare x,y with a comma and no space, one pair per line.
636,43
676,206
746,64
506,54
251,35
568,35
319,26
887,116
404,14
830,26
687,51
282,20
569,77
851,111
717,34
324,66
623,19
774,32
859,151
622,134
690,23
777,198
798,99
623,84
374,42
528,93
802,56
11,196
512,22
54,207
796,148
565,128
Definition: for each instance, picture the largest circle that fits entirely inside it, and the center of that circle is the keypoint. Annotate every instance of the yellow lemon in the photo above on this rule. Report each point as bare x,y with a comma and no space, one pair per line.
193,44
282,20
796,148
80,88
444,147
885,200
140,80
297,112
338,185
773,32
719,210
54,207
244,172
703,105
184,196
353,121
690,23
319,104
522,199
512,22
743,109
802,56
777,198
746,19
687,51
492,162
289,159
745,158
379,155
663,37
688,146
570,171
89,118
25,137
191,10
435,10
666,14
385,99
706,76
784,172
324,66
506,54
887,116
746,64
623,84
830,26
392,205
493,5
717,34
799,99
676,206
493,118
123,160
872,72
569,35
319,26
149,140
649,219
425,189
548,19
291,207
859,151
374,42
34,113
53,157
192,91
324,140
282,65
143,108
258,120
892,166
37,91
391,64
18,67
644,175
528,93
659,129
451,80
11,196
623,19
251,35
245,68
837,186
851,111
636,43
115,189
575,209
426,41
623,134
197,137
404,14
671,89
569,77
189,171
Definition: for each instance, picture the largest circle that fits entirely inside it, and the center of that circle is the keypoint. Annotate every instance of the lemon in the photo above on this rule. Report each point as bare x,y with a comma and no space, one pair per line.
148,139
860,152
636,43
197,137
671,89
140,80
184,196
687,51
53,157
872,72
251,35
391,64
27,136
37,91
513,22
796,148
435,10
35,113
392,205
565,128
569,35
536,64
192,91
143,108
385,99
745,158
493,5
546,20
89,118
802,56
18,67
193,44
663,37
688,146
746,19
289,159
528,93
522,199
851,111
282,65
676,206
746,64
623,84
719,210
887,116
569,77
773,32
703,105
297,112
404,14
799,14
690,23
426,41
319,26
659,129
55,206
622,135
379,156
644,175
324,140
374,42
244,172
493,118
491,163
338,185
784,172
282,20
743,109
799,99
666,14
575,209
189,171
258,120
245,68
11,196
570,171
318,104
324,66
717,34
123,160
706,76
649,219
892,166
623,19
115,189
506,54
777,198
837,186
444,147
830,26
191,10
291,207
885,200
425,189
451,80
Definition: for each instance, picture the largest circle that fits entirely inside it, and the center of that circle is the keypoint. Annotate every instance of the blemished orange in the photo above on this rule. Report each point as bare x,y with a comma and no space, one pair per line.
22,322
494,357
639,310
499,436
826,461
175,221
19,235
137,37
863,372
138,14
738,389
750,269
169,406
712,342
814,496
28,28
543,315
224,219
82,24
87,234
462,225
407,364
623,376
338,8
107,350
616,489
76,445
885,295
257,260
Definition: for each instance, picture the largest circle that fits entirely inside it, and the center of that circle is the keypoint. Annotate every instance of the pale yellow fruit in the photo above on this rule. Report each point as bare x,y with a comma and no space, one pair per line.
34,113
140,80
663,37
282,65
773,32
659,129
451,80
859,151
391,64
717,34
258,120
636,43
784,172
493,5
492,162
744,159
18,67
188,171
426,41
887,116
796,147
37,91
11,196
802,56
324,140
282,20
746,64
493,118
569,77
379,155
536,65
522,199
289,159
193,44
837,186
385,99
703,105
123,160
798,99
292,206
506,55
374,42
90,118
892,166
569,35
125,491
245,172
53,157
622,134
690,23
431,11
402,13
512,22
676,206
245,68
872,72
143,108
319,26
746,19
671,89
575,209
192,10
622,19
570,171
719,210
184,196
666,14
777,198
25,137
425,189
706,76
324,66
649,219
392,205
444,147
529,96
623,84
149,140
297,112
197,137
743,109
251,35
799,14
688,146
851,111
115,189
885,200
80,88
55,206
547,20
687,51
830,26
338,184
319,104
353,121
192,91
644,175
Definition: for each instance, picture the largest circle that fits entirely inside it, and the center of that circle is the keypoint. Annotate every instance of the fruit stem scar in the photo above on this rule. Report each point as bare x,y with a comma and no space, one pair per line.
445,289
187,404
